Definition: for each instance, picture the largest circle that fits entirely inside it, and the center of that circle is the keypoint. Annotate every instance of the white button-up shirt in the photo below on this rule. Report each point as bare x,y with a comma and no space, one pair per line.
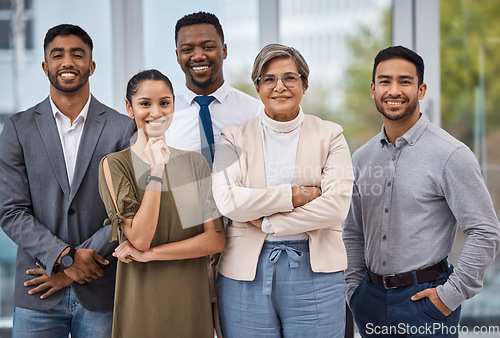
230,106
70,135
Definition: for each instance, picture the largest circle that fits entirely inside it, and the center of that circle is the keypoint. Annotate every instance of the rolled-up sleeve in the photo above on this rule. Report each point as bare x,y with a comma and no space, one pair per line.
124,195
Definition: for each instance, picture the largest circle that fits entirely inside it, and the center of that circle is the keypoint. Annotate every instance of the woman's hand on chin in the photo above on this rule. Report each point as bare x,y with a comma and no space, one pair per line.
158,154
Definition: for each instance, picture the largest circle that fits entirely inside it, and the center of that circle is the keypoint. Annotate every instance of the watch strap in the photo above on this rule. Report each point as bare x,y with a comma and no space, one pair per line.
72,252
150,178
56,267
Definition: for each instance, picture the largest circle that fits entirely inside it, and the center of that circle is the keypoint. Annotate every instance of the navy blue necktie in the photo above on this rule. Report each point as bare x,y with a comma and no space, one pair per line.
206,130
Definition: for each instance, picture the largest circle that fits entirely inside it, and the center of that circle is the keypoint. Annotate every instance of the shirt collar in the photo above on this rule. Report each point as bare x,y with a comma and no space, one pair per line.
412,135
220,94
83,114
382,137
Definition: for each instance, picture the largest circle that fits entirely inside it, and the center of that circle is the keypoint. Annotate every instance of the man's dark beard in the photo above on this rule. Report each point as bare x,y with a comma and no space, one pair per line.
204,84
54,82
410,109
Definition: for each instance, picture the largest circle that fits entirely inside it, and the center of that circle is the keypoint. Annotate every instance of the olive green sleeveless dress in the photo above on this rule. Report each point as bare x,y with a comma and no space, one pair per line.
162,298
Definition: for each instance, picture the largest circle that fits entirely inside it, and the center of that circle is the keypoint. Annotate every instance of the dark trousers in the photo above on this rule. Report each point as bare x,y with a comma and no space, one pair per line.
391,313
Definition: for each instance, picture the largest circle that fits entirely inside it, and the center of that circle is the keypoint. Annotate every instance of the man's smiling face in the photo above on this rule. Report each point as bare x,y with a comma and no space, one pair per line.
200,53
68,63
396,91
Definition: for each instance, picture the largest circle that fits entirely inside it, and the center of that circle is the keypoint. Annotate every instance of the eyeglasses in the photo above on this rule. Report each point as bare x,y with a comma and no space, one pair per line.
270,81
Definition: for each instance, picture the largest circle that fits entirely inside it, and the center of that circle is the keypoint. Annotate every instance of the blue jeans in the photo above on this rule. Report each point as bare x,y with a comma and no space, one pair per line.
286,299
67,316
391,313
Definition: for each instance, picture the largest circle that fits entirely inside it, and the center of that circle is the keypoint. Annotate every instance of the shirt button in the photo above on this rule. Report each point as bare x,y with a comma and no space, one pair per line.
384,237
389,184
384,263
386,210
394,158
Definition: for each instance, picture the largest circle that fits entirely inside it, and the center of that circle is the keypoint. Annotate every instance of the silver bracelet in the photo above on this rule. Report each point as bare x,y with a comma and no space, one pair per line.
305,192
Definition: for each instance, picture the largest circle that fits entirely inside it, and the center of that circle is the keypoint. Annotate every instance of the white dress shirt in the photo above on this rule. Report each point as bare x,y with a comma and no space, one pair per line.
230,106
70,135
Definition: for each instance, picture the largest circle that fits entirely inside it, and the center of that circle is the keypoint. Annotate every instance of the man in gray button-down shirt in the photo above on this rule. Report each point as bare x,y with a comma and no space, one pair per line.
414,185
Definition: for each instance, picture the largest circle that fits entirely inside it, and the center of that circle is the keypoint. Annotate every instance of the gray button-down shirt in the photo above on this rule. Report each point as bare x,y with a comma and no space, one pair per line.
407,202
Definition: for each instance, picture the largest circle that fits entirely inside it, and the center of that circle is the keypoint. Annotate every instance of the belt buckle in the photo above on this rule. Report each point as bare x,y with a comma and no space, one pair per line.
384,282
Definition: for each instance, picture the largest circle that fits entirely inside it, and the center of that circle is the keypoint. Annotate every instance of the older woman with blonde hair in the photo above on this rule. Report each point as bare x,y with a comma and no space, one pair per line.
285,180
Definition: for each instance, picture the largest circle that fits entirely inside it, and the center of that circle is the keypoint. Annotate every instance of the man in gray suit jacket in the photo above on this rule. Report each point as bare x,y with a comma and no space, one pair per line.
49,199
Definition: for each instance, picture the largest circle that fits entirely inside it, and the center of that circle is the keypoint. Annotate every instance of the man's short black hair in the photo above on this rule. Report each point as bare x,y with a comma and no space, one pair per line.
196,19
400,52
67,29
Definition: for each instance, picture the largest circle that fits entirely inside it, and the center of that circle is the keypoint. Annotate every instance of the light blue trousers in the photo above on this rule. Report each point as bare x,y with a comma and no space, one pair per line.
67,316
286,299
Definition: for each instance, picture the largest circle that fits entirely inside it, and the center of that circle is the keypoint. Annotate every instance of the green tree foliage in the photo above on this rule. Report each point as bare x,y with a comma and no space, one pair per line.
466,27
246,86
361,119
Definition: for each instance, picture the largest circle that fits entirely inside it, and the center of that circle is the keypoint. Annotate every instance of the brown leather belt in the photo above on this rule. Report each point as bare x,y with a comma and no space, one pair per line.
425,275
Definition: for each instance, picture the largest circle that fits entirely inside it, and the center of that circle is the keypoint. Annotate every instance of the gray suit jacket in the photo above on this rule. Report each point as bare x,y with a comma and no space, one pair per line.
42,213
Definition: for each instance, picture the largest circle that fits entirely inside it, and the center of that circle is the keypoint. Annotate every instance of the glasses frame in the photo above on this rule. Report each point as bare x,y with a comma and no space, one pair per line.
279,78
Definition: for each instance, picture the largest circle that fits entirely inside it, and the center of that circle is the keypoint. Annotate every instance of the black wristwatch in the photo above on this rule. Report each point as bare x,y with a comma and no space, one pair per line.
68,259
150,178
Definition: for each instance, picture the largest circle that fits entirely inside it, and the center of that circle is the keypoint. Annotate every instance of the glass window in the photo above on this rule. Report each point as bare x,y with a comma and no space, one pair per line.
339,45
470,63
4,34
5,4
240,20
6,14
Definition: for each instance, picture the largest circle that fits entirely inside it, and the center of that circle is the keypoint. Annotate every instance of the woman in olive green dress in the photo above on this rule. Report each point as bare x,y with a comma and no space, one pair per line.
160,208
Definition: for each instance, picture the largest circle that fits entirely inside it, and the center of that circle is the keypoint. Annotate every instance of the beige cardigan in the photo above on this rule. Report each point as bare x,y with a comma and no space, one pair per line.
323,159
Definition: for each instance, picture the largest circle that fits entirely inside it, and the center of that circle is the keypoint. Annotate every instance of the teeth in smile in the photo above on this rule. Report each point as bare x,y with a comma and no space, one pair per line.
156,123
394,103
199,68
67,75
